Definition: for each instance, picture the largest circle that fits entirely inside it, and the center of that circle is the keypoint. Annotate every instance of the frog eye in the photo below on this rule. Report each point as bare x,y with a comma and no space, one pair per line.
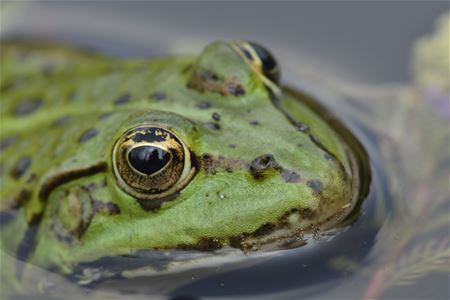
151,162
260,58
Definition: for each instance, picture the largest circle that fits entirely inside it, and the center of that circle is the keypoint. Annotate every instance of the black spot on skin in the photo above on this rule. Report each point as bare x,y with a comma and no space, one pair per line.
8,141
290,176
208,75
62,121
216,116
159,96
109,208
20,167
300,145
328,157
248,111
301,127
232,146
32,178
28,107
203,105
27,244
254,123
87,135
263,163
125,98
315,185
212,126
236,90
20,199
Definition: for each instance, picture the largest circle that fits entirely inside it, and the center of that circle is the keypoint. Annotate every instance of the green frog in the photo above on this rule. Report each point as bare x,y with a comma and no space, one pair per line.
105,159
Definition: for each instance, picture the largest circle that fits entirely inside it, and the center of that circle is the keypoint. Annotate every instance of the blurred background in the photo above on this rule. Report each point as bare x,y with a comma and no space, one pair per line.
366,41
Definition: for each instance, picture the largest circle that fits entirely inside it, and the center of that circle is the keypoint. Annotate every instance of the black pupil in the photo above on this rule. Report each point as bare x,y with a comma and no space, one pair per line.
148,159
268,61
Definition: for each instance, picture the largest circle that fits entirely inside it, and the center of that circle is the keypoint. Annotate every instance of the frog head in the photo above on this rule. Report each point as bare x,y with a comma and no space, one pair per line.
178,153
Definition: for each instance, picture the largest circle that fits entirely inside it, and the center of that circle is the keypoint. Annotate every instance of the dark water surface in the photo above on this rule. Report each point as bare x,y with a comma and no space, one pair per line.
327,43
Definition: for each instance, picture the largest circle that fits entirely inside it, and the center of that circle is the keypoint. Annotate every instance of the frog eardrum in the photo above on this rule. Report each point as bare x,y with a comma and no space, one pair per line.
151,162
259,58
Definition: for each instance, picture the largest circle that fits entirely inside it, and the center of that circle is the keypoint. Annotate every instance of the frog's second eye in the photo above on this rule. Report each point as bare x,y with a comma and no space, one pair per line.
260,58
151,162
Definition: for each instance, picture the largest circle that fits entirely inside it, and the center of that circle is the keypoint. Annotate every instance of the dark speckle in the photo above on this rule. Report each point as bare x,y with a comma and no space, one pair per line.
212,126
32,178
300,145
109,208
21,199
203,105
290,176
254,123
232,146
28,107
216,116
328,157
8,141
248,111
236,90
62,121
315,185
125,98
159,96
87,135
301,127
263,163
21,167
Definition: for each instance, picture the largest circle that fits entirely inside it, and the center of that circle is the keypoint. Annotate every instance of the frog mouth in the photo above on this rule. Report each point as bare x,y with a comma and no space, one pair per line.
141,263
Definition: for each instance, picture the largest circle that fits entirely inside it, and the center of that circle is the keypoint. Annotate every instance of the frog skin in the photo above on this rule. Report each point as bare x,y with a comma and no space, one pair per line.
103,157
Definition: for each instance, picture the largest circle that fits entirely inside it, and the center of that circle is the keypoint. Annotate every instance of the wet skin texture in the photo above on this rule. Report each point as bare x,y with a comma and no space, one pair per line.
104,157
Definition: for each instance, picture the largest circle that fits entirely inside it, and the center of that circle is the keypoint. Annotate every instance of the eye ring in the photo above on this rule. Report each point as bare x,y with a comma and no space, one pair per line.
259,58
150,162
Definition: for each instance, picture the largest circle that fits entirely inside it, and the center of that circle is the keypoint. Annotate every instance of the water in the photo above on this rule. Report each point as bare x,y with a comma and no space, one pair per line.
355,58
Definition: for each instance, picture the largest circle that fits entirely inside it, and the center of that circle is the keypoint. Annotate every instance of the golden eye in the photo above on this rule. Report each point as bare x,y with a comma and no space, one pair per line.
151,162
260,58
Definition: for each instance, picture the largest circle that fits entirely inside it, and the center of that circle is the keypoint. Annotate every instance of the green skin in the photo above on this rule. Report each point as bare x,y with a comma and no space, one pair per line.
63,111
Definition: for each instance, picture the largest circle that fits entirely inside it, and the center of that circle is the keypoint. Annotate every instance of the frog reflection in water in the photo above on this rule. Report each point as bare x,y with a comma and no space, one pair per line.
104,157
